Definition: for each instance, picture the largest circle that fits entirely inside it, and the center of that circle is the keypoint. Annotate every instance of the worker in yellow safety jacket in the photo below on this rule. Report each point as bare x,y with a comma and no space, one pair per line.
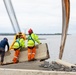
18,44
32,38
15,37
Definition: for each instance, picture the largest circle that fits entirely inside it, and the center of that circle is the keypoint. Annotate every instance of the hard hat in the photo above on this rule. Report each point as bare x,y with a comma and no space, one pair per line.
19,33
30,31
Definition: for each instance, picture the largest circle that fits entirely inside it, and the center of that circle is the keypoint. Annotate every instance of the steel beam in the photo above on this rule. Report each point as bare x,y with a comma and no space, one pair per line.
12,16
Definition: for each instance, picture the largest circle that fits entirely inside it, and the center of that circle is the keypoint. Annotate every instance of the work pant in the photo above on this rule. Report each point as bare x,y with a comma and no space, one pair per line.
16,55
2,53
31,53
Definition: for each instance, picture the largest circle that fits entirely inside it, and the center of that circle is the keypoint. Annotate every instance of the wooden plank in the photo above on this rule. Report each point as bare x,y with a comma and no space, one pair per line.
42,53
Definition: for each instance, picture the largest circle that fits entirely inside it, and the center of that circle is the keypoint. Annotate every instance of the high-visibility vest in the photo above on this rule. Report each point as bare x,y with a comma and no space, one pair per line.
11,46
22,42
19,43
31,40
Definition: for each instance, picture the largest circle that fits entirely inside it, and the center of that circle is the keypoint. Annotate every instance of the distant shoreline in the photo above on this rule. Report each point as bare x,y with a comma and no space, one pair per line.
11,34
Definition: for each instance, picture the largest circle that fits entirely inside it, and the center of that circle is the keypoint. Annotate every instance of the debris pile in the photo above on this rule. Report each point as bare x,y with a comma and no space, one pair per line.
53,66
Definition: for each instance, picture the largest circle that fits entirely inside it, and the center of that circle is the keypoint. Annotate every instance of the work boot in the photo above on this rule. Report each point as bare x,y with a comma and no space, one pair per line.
29,60
1,63
33,59
16,62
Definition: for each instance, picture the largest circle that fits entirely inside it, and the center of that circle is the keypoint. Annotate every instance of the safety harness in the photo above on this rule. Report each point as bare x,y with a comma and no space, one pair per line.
30,38
18,41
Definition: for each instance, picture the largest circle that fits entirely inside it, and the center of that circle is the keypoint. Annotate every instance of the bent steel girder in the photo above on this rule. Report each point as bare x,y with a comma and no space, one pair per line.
65,24
12,16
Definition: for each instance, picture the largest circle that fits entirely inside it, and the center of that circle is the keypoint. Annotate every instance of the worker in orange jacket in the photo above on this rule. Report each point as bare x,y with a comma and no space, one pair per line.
32,38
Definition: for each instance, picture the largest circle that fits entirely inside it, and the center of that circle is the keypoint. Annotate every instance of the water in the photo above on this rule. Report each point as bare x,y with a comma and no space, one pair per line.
53,42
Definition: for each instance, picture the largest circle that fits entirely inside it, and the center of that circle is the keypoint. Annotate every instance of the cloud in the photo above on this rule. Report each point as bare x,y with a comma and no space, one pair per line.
43,15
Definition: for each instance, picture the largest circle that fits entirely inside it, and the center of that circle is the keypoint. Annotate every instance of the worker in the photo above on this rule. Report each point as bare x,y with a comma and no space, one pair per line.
20,33
32,38
3,44
23,35
18,45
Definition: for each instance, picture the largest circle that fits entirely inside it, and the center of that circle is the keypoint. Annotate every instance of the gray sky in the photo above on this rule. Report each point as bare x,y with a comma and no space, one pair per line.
43,16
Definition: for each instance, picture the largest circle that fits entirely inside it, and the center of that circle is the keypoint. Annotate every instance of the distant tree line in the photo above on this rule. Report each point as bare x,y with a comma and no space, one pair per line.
37,34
